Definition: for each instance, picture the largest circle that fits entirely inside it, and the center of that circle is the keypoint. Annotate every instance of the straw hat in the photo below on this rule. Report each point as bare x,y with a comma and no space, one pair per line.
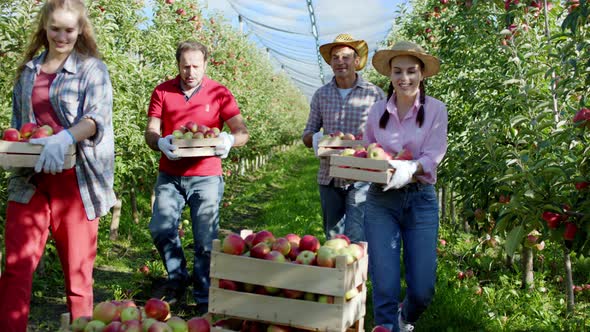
382,59
360,46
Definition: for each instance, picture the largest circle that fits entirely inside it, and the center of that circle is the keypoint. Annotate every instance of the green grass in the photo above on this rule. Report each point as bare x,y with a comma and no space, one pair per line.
283,197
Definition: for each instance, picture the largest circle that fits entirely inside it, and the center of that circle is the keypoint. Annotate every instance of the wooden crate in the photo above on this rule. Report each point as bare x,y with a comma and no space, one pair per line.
309,315
334,145
196,147
360,169
23,154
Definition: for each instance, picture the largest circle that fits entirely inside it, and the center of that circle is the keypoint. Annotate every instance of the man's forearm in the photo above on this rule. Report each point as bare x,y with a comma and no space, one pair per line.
151,138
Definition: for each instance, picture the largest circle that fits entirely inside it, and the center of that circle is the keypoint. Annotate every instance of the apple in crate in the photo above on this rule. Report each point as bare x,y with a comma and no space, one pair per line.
325,299
159,327
233,244
263,236
348,152
260,250
294,251
292,293
348,137
177,324
342,236
95,326
282,245
113,327
309,242
80,323
130,313
105,312
326,257
198,324
293,238
191,126
360,154
43,131
380,328
404,155
336,243
357,250
11,135
276,256
27,129
378,153
306,257
198,135
133,325
178,134
228,284
157,309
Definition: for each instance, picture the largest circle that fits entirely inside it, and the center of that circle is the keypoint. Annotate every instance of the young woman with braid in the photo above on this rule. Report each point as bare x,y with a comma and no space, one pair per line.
405,211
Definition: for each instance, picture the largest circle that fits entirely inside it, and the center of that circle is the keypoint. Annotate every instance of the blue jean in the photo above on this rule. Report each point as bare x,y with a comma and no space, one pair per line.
343,210
203,195
410,216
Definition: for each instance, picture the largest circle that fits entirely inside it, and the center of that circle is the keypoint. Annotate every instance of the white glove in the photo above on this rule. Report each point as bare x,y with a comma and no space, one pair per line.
165,145
222,149
404,171
52,156
315,141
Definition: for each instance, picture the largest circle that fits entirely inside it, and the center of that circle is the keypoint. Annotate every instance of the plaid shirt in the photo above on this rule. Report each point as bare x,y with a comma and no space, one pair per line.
82,89
348,115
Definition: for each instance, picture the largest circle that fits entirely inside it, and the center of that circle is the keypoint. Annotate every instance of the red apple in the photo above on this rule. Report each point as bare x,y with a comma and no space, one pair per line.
357,250
249,238
337,133
144,269
293,238
306,257
360,154
263,236
156,308
442,242
336,243
180,11
277,328
404,155
581,185
210,134
169,2
553,219
292,294
192,126
582,117
105,312
570,231
460,275
43,131
198,324
309,242
349,137
27,129
378,153
228,284
203,129
380,328
198,135
260,250
233,244
282,245
294,251
11,135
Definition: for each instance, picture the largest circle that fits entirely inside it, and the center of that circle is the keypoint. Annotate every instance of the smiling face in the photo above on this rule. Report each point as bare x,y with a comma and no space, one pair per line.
406,75
192,66
344,61
62,29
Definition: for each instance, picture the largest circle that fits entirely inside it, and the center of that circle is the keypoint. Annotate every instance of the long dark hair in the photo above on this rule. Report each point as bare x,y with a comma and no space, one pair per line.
419,119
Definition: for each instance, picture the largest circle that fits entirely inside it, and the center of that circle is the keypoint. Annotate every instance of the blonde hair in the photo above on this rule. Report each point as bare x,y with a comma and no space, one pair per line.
85,44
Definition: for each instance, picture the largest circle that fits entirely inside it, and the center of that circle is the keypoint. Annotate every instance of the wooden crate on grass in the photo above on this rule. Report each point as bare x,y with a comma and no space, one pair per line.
360,169
202,147
341,315
334,145
23,154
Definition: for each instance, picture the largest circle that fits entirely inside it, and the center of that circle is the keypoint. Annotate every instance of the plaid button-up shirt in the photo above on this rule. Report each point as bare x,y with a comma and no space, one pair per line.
330,111
82,89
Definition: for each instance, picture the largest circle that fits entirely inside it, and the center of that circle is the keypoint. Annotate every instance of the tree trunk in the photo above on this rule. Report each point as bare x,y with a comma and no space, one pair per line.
528,281
114,232
134,211
569,282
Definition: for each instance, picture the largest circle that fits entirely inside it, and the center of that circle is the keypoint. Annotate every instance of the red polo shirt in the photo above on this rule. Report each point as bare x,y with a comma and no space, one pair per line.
212,105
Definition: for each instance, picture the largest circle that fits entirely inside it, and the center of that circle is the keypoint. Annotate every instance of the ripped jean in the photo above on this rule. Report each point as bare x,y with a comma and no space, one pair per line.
407,216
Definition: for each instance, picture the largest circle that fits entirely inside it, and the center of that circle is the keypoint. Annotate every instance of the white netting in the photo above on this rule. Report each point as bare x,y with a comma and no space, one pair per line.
286,29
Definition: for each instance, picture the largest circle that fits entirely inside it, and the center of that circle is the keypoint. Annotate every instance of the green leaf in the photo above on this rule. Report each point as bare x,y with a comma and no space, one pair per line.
513,240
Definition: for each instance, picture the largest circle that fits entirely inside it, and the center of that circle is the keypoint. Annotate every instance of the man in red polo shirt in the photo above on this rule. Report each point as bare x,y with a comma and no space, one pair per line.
198,181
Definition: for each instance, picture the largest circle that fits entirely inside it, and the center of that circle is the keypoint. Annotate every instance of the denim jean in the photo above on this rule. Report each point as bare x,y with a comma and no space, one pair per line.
343,210
203,195
407,216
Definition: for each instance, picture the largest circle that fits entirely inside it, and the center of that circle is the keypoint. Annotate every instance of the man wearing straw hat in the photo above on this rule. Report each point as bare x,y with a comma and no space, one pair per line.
341,105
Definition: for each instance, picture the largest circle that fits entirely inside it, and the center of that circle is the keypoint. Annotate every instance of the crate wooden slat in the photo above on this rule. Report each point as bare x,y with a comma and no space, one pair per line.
23,154
334,145
309,315
196,147
360,169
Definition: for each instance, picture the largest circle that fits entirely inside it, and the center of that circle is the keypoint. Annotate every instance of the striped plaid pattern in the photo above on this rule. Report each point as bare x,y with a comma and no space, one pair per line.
81,89
331,112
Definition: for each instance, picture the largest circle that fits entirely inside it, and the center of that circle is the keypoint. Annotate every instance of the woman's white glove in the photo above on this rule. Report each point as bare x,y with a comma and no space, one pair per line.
165,145
52,156
222,150
404,171
315,141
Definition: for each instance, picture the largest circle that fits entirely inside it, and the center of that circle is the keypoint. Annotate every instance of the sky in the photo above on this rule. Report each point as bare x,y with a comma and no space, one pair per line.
284,28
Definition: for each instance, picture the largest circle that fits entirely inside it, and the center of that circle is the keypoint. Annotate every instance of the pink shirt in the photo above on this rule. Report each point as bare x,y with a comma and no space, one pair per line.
428,144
